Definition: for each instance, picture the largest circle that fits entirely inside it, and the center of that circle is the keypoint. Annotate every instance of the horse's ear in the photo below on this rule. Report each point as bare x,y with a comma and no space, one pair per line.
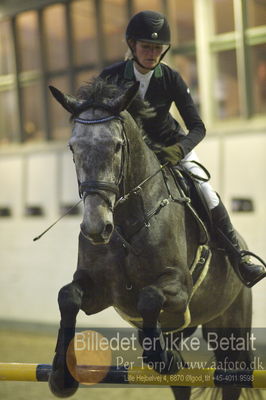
124,100
70,103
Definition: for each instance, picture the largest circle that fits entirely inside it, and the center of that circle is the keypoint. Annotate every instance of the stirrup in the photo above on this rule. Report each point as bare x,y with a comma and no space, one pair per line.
253,283
250,284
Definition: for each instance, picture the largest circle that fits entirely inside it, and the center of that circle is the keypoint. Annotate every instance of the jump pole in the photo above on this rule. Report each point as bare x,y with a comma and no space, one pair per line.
197,377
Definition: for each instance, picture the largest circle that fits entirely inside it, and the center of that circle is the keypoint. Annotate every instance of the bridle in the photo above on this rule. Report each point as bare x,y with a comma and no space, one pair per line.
99,187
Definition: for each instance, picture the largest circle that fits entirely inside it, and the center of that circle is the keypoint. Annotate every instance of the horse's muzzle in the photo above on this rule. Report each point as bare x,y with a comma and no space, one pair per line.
101,235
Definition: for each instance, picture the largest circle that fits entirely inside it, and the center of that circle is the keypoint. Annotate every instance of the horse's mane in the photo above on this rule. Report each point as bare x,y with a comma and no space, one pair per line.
99,91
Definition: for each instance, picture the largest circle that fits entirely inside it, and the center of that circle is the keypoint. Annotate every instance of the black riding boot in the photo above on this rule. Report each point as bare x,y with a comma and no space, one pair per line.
248,272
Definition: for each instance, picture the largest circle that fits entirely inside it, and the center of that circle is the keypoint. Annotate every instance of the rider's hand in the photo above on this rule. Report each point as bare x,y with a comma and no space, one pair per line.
171,154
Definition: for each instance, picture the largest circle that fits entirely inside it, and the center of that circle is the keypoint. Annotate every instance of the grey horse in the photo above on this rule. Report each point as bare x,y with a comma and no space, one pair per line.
137,241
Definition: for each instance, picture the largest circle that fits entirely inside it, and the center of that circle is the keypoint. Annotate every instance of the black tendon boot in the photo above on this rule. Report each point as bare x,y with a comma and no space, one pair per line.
248,272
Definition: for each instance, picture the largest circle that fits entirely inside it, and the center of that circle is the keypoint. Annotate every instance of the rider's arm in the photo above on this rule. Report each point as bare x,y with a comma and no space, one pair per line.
188,111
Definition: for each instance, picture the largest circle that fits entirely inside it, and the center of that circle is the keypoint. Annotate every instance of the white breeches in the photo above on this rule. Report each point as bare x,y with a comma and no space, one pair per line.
209,194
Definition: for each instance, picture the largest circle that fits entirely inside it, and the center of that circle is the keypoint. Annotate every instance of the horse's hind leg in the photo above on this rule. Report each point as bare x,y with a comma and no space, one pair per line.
232,327
150,303
61,382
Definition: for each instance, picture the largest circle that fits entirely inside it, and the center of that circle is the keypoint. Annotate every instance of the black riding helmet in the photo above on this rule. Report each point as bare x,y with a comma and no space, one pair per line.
149,26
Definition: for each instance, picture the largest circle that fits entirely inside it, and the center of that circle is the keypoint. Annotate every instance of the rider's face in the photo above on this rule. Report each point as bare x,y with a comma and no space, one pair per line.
148,54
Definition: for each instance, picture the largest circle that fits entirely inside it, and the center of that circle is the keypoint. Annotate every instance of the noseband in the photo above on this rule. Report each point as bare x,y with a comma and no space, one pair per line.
99,187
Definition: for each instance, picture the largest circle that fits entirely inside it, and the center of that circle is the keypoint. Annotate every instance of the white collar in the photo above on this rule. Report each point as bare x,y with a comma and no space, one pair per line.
144,80
142,77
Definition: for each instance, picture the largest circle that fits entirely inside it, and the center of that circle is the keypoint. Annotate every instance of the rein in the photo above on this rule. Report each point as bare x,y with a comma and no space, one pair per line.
139,186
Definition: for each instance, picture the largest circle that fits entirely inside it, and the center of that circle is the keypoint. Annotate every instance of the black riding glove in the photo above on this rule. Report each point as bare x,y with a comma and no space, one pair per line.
171,154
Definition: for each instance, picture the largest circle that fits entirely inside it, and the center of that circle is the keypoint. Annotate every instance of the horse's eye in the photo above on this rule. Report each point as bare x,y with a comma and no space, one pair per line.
118,147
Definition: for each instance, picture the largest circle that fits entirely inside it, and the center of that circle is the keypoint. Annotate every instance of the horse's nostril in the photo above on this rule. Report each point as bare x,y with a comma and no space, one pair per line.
97,236
108,229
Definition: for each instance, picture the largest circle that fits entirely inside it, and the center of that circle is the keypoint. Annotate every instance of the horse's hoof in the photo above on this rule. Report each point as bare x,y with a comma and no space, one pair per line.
62,386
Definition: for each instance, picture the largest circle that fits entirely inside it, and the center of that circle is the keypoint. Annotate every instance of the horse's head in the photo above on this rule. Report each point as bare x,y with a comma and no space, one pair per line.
97,144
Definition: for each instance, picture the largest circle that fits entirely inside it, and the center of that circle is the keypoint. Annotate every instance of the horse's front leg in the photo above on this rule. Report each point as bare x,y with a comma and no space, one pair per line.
61,382
155,353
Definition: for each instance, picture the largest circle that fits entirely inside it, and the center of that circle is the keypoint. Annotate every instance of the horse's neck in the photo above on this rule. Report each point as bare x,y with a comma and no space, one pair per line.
141,162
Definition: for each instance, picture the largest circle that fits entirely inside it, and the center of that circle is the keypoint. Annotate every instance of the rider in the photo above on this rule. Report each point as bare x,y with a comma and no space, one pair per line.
148,38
